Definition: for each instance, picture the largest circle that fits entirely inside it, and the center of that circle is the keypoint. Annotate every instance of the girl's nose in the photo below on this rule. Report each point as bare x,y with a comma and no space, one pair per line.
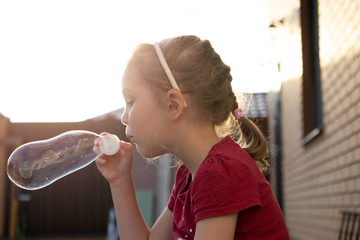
124,117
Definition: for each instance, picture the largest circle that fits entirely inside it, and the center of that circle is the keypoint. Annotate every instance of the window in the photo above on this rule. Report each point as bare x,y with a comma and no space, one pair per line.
311,82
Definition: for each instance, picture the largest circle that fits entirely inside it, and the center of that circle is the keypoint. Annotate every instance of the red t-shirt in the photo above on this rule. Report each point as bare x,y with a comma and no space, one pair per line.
227,181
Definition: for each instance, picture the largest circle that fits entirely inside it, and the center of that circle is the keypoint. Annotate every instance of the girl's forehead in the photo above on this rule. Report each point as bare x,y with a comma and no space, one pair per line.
130,77
133,78
145,70
140,67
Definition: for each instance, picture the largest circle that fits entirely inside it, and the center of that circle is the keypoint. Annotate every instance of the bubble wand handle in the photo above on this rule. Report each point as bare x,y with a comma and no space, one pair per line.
38,164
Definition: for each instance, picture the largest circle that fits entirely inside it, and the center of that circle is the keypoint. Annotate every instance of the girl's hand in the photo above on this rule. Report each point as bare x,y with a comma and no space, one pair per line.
117,166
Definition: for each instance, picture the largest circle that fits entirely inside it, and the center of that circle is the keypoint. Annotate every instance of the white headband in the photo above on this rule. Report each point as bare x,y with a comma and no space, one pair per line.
166,68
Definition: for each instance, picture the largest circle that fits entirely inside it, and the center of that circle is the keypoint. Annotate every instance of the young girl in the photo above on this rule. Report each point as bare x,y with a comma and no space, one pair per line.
179,100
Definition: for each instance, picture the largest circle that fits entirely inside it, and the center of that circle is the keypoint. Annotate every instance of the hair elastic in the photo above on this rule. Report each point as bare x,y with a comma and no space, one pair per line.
166,68
237,113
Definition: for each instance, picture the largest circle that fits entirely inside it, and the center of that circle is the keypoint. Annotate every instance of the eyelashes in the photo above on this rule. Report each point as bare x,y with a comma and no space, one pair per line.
129,102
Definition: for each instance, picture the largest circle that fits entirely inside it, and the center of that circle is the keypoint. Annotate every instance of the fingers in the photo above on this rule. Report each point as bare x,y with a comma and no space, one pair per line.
127,149
123,145
100,161
96,147
115,166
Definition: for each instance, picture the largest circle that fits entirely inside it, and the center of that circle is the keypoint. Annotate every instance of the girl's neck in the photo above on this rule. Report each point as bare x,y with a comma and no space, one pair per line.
195,144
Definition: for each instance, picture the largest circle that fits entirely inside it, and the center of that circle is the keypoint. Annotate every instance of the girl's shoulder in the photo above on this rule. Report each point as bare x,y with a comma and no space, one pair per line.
231,167
228,154
227,181
226,163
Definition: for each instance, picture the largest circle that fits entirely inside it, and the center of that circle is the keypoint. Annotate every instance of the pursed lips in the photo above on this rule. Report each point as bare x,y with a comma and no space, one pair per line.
130,137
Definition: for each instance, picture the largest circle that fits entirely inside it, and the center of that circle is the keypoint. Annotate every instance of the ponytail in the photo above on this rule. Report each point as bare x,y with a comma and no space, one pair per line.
253,141
250,138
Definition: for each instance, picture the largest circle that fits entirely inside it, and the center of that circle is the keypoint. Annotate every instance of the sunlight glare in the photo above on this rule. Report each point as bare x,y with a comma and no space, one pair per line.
62,61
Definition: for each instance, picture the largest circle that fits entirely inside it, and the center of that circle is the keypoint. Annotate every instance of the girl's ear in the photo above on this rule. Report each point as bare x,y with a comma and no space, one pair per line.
175,104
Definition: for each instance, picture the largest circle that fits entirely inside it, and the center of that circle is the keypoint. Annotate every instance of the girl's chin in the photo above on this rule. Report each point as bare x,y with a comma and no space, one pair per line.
148,153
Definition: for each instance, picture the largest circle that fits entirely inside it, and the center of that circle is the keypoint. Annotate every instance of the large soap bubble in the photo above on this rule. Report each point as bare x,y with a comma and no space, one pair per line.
37,164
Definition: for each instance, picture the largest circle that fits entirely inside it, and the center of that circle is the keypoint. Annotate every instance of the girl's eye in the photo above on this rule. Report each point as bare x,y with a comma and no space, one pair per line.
129,102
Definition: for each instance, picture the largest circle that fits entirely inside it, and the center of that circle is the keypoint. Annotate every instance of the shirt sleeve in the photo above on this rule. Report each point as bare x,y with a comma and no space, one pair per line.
223,186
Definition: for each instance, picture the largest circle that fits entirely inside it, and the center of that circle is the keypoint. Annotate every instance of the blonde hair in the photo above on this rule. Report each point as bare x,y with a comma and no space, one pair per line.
199,70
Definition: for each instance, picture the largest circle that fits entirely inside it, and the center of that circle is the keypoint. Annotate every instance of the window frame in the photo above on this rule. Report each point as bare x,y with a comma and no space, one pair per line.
311,79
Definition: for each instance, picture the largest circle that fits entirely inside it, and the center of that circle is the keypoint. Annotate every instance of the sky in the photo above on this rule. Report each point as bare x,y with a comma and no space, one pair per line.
62,61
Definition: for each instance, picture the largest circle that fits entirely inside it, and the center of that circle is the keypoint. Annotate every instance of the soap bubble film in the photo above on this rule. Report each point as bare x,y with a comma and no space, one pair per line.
38,164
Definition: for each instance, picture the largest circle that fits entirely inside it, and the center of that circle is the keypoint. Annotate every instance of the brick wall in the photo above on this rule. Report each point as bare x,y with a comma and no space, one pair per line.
322,178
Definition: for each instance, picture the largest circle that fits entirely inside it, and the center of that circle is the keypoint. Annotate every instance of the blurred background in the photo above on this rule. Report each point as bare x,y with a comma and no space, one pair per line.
61,64
60,57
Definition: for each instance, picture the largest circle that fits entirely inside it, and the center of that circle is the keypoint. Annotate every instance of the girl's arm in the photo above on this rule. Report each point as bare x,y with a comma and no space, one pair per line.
215,228
162,228
130,222
131,225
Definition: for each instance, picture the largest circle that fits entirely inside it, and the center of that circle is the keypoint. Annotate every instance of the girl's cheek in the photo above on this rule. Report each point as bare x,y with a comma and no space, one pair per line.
129,117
